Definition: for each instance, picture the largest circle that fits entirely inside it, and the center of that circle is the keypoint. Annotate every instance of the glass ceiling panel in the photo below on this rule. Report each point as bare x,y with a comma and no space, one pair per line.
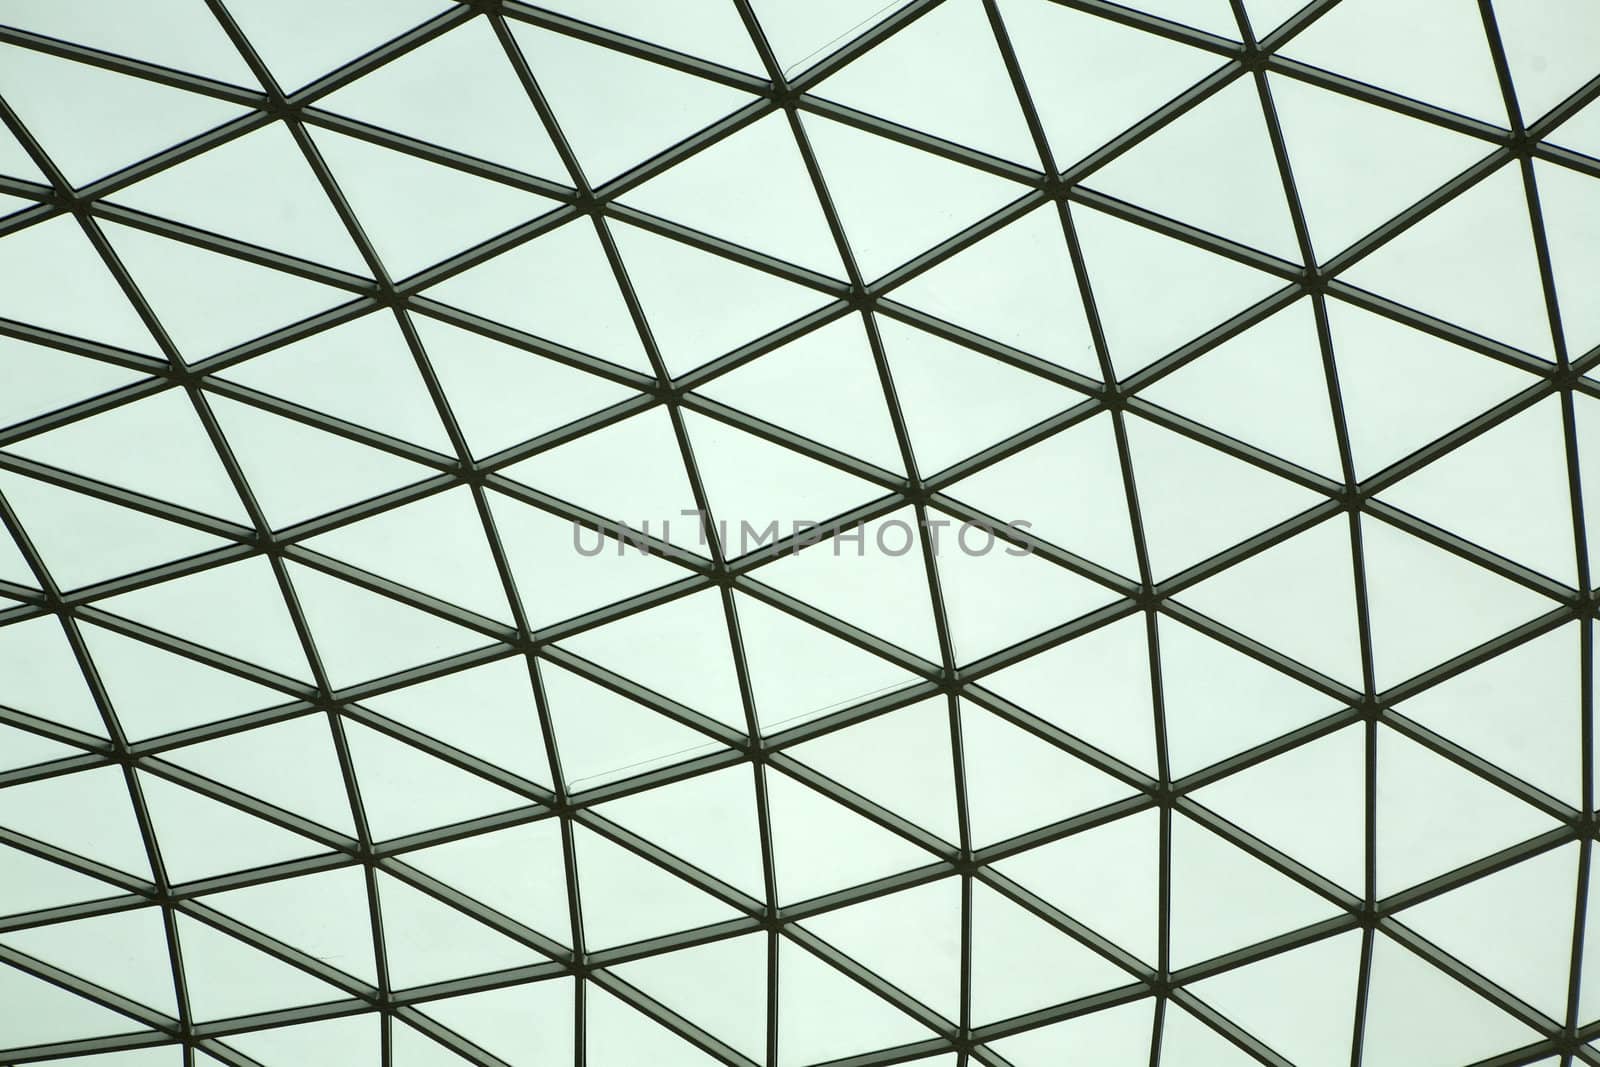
972,533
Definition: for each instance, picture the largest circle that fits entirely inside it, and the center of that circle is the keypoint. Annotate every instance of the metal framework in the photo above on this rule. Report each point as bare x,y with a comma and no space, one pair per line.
1062,187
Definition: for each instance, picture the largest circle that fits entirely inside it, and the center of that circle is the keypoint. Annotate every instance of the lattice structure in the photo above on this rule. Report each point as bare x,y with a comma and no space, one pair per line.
372,691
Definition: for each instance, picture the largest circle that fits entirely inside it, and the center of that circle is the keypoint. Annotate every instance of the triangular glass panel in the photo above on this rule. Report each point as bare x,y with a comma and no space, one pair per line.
1020,783
701,305
1132,269
1096,687
24,749
1581,132
1111,1037
996,594
434,544
1308,802
39,675
956,401
1106,877
944,74
1218,701
1093,77
1090,518
680,650
1213,16
704,28
1231,184
257,188
33,884
486,114
1519,709
525,1025
125,952
826,1015
1418,1014
720,987
801,38
1017,286
708,820
355,1040
520,872
237,609
1418,791
1267,15
751,188
646,106
1223,898
627,898
405,791
799,672
1188,1040
480,377
227,977
133,117
912,938
298,472
202,838
208,301
42,1012
1472,262
83,540
291,764
564,569
1428,605
1376,41
156,445
40,379
88,813
619,1035
1513,926
1297,597
824,385
487,711
277,29
757,491
1020,963
1299,1002
325,915
429,941
559,287
876,581
1570,204
819,846
867,178
56,279
164,32
384,188
603,736
1550,50
1278,357
1357,165
1505,489
1402,388
919,784
410,1047
360,371
1197,500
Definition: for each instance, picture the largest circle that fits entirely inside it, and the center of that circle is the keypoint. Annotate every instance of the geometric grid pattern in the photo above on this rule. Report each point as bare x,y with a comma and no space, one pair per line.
1268,740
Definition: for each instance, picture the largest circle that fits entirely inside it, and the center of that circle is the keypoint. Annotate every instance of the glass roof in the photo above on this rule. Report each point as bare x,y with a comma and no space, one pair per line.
773,533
